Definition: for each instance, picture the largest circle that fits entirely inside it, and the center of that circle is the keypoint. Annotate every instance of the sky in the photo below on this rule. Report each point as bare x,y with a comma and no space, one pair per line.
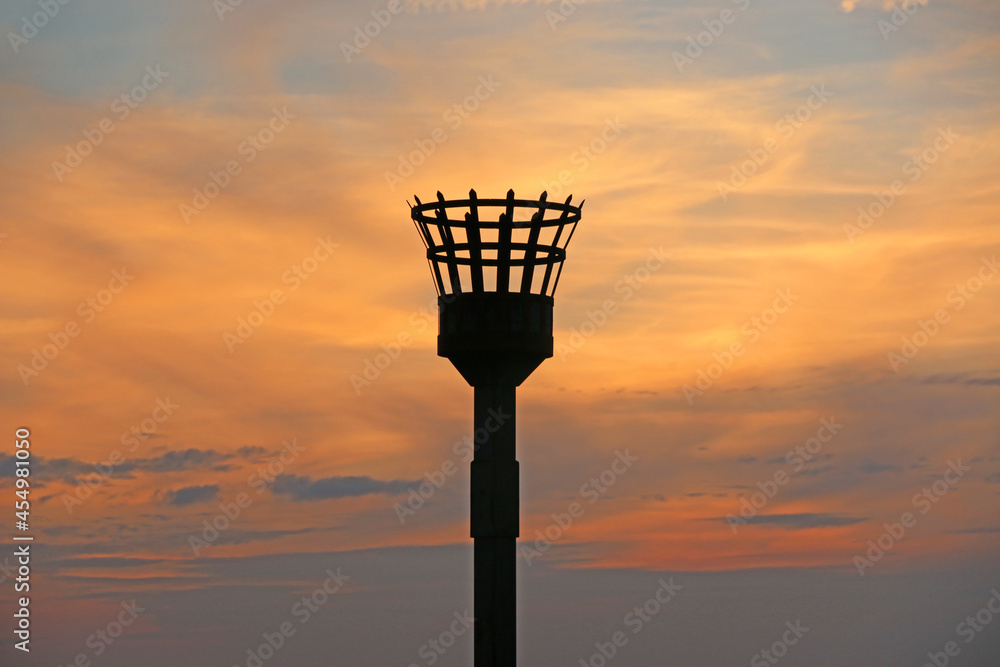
779,314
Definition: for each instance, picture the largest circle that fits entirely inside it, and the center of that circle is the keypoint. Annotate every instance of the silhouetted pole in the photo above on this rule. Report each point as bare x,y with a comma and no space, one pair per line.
495,527
495,280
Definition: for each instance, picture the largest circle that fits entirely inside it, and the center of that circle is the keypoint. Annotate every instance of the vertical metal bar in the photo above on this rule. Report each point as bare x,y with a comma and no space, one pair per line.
425,234
555,244
503,252
568,239
436,273
475,242
449,244
527,272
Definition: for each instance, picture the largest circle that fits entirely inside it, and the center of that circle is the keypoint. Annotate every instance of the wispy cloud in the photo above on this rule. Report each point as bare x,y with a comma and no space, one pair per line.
189,495
69,469
873,468
805,520
300,488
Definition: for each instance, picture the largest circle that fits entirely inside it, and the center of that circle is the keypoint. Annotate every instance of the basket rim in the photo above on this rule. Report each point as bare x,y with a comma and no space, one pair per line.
419,211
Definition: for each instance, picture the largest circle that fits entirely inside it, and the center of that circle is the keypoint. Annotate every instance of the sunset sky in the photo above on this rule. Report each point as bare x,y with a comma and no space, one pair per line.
782,305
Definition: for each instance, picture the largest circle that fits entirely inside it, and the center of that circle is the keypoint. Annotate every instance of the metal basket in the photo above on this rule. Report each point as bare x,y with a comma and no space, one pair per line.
490,249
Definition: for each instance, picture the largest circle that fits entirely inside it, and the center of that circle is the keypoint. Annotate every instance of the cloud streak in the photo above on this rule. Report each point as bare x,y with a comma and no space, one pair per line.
805,520
190,495
301,489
